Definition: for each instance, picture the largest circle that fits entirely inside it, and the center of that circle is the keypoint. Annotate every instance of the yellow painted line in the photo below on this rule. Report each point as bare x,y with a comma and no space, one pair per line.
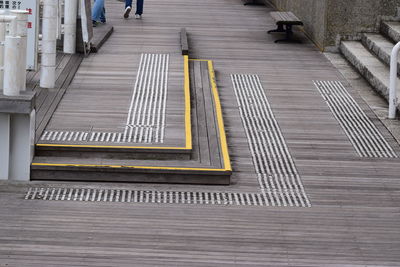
220,120
221,128
122,166
188,123
94,146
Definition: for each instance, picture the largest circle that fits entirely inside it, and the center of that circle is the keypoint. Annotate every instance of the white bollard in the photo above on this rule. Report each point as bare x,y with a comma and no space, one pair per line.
22,31
2,39
49,32
12,31
70,15
393,82
12,54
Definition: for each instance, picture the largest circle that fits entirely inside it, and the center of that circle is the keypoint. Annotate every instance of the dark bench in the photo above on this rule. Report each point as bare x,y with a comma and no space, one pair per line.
285,21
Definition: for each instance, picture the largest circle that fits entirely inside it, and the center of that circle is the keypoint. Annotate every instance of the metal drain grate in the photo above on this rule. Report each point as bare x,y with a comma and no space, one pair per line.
361,131
276,171
146,115
146,196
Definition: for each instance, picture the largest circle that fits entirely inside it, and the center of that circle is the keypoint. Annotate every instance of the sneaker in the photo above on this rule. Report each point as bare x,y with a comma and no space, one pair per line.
94,23
127,11
137,16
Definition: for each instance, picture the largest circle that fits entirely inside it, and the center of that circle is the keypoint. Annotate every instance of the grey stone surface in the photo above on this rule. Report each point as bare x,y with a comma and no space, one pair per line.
326,22
348,18
380,46
311,12
370,67
391,29
22,104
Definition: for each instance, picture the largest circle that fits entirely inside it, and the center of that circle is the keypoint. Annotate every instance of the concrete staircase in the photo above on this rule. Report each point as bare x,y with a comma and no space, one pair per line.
371,56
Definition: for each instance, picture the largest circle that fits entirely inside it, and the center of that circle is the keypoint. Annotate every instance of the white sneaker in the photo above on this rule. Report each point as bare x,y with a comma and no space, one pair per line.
137,16
127,11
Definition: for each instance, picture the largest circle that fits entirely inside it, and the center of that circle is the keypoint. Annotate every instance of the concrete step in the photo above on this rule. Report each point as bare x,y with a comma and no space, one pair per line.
380,46
391,29
370,67
208,161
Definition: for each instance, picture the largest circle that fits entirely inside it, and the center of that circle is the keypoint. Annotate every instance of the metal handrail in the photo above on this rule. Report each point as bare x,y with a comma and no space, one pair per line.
393,81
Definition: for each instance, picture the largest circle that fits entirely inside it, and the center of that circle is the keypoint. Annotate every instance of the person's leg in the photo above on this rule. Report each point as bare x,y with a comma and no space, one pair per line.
128,8
139,7
97,9
103,15
128,3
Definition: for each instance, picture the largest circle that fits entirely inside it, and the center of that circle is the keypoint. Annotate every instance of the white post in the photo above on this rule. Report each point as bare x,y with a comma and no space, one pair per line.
22,31
2,39
49,31
12,53
393,82
11,57
70,15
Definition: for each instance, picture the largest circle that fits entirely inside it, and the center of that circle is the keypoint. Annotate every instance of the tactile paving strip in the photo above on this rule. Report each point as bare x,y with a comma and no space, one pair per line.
276,171
361,131
146,116
146,196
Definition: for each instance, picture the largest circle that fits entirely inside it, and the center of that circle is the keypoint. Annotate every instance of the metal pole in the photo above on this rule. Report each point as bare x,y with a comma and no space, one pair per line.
393,81
49,31
22,31
70,15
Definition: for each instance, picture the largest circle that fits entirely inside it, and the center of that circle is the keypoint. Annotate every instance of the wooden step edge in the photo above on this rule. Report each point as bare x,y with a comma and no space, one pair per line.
187,148
207,170
110,148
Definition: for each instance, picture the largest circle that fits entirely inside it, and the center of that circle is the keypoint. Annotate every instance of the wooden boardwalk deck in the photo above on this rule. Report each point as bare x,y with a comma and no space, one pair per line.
125,96
354,218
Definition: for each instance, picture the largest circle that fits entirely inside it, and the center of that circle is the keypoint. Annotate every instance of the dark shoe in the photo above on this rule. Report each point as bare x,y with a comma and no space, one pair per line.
104,21
94,23
127,11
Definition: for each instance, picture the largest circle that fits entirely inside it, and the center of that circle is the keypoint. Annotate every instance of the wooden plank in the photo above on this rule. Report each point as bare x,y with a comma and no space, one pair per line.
213,135
184,42
354,218
101,34
201,116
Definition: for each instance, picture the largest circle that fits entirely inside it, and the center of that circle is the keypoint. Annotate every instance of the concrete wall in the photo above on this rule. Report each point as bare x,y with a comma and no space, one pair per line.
345,19
311,12
326,21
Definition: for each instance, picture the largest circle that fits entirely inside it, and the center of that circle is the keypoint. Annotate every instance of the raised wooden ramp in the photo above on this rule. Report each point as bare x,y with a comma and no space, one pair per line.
208,163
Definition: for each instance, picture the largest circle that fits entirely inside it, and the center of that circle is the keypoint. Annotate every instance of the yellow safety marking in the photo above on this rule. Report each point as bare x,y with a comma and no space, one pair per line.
221,127
220,120
188,123
99,146
123,166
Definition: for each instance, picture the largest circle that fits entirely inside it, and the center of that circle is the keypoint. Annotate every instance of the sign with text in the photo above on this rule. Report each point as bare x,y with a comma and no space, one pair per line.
33,27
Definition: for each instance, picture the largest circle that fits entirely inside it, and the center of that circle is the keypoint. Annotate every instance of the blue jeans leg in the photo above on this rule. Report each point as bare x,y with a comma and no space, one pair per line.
128,3
98,10
103,15
139,7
